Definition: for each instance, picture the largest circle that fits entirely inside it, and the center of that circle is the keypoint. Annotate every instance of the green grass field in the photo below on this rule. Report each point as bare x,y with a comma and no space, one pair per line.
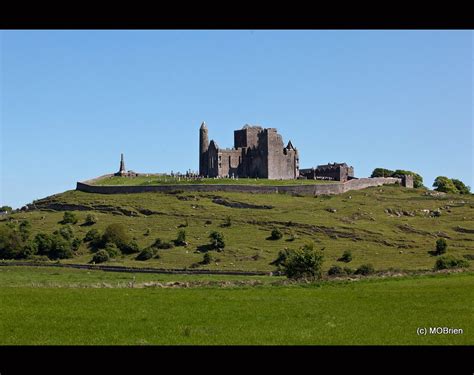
356,221
168,180
77,311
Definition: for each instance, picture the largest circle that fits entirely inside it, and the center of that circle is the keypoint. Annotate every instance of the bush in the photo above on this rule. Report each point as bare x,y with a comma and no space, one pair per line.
145,254
159,244
112,250
69,218
281,258
217,240
441,246
276,234
227,222
346,257
181,238
293,235
449,262
101,256
130,248
348,271
117,234
206,259
75,244
336,271
90,219
92,235
303,263
365,269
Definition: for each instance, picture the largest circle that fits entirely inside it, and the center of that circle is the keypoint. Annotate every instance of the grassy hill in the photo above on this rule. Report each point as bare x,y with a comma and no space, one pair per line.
390,227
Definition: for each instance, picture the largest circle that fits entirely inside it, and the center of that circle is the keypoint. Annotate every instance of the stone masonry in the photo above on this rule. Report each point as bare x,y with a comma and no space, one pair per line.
257,153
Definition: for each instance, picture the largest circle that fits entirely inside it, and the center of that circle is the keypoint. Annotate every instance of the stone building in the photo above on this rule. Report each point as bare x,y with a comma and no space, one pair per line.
257,152
334,171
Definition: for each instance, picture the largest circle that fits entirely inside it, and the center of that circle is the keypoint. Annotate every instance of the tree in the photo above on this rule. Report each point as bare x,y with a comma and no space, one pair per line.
417,179
441,246
100,257
445,185
381,172
7,209
90,219
276,234
116,233
112,250
66,232
181,238
461,187
447,262
217,240
92,235
206,259
11,243
346,256
44,243
69,218
145,254
61,248
365,269
25,227
303,263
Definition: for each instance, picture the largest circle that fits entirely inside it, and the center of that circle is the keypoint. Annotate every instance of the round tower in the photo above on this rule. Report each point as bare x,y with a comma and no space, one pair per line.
203,147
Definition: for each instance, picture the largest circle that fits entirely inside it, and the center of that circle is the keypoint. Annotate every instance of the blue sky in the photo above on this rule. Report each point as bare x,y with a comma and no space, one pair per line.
72,101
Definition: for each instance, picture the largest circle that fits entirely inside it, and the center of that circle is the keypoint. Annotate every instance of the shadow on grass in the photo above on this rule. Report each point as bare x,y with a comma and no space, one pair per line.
205,248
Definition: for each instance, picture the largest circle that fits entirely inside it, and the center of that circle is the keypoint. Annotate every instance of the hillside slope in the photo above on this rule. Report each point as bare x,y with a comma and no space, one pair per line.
389,226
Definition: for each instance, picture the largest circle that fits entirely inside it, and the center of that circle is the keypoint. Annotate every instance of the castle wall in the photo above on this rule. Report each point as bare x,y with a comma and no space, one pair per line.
247,137
316,189
280,165
229,162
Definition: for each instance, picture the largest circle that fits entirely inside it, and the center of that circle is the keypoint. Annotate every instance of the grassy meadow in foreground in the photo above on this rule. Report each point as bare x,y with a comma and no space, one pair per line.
365,312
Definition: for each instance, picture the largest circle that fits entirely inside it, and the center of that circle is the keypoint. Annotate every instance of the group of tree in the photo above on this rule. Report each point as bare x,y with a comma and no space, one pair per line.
114,241
382,172
450,185
16,242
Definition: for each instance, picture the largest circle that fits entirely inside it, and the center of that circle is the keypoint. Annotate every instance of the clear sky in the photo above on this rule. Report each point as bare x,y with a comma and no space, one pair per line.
72,101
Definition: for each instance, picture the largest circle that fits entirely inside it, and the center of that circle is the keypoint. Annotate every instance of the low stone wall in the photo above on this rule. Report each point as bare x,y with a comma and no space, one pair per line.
316,189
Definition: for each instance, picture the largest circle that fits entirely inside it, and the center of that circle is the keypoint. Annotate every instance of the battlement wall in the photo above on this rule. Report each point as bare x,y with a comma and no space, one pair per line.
316,189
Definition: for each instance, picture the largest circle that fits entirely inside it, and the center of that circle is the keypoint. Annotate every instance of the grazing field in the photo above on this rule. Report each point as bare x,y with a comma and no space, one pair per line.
168,180
77,311
390,227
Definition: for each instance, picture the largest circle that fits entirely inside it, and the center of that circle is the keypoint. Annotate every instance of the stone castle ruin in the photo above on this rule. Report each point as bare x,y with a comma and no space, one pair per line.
257,153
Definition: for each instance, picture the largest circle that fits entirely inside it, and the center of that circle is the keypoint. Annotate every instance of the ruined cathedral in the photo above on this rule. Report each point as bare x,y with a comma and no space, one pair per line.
257,152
